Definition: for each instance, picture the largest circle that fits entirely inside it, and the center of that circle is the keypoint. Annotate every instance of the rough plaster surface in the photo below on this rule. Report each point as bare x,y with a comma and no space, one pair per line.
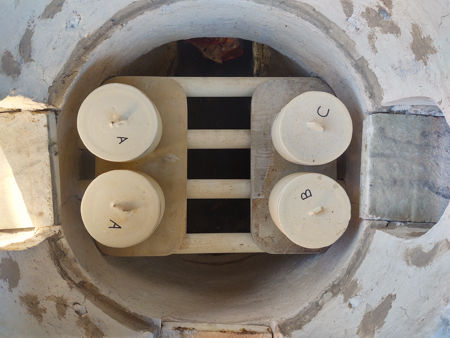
405,170
33,292
374,53
396,293
379,299
419,39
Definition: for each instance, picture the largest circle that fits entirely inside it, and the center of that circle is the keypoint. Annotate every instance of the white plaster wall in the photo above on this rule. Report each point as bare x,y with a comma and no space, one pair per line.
419,286
400,74
417,296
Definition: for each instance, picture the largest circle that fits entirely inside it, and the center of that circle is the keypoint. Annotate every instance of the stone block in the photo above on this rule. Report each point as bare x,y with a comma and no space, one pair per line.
26,198
405,169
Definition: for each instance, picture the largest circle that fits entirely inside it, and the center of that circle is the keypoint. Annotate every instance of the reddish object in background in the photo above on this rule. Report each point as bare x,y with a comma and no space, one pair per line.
218,49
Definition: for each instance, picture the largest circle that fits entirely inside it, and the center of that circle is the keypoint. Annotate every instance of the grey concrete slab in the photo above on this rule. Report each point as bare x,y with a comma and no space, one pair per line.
405,171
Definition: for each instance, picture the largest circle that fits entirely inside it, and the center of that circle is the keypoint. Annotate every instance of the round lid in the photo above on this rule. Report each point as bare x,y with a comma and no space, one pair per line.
122,208
312,210
118,123
314,128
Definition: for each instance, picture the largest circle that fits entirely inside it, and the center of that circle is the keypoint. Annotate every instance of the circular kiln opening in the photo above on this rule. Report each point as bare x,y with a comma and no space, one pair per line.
209,288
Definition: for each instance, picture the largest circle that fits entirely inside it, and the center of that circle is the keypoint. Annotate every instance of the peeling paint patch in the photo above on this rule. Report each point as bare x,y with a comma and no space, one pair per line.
25,45
74,21
52,9
372,37
418,257
380,18
32,303
311,310
388,4
10,272
9,65
355,23
374,319
422,46
60,305
347,6
350,290
90,329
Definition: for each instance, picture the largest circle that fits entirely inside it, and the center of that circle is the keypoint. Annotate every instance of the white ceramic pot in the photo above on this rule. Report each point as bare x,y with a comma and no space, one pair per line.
119,123
122,208
312,129
311,209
